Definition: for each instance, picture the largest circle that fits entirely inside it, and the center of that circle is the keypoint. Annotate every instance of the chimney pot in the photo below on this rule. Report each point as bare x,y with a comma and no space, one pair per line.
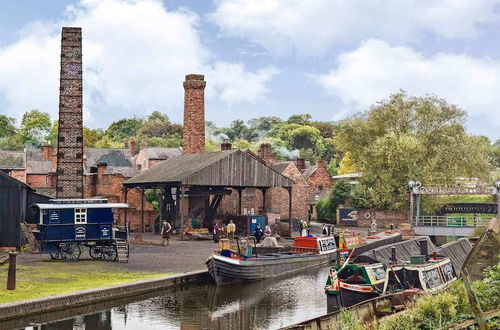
46,150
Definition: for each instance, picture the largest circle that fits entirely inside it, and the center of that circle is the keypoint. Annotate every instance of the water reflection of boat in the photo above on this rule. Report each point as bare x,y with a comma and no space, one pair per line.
228,266
401,267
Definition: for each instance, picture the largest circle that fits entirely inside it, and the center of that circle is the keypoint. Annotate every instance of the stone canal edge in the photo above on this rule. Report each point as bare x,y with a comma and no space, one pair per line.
92,296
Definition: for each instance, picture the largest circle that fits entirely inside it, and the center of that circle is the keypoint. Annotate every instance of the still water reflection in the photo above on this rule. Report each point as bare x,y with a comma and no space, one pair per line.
260,305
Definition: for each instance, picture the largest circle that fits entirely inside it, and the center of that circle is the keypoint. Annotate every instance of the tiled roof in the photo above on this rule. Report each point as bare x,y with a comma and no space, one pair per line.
280,167
162,153
309,171
12,159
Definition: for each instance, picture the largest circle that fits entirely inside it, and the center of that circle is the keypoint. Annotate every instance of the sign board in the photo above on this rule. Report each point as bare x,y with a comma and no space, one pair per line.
80,232
105,232
348,216
468,208
326,245
476,190
53,216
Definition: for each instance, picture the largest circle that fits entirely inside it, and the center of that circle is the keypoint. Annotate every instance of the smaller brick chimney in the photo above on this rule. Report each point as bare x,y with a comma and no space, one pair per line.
266,153
101,169
46,150
226,145
132,147
300,163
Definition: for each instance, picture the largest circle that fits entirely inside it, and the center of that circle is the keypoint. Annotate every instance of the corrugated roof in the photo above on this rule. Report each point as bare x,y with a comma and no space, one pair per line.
457,251
404,250
12,159
229,168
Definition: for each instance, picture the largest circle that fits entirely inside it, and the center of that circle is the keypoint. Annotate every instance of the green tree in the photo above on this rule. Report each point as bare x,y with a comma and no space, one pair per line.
238,130
417,138
9,137
124,128
264,124
7,126
325,129
340,194
302,119
35,126
91,137
303,137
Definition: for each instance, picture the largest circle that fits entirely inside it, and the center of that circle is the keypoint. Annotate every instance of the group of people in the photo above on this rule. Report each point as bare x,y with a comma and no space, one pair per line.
258,233
228,231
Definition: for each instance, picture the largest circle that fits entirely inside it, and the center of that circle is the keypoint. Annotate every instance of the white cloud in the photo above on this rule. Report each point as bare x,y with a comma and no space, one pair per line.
135,55
236,85
311,27
375,70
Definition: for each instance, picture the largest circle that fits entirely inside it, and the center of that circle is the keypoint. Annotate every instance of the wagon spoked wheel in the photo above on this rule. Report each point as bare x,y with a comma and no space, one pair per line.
96,252
71,252
56,256
110,253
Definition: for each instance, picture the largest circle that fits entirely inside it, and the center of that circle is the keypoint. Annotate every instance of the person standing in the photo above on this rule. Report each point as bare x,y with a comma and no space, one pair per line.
231,229
258,233
216,230
165,232
324,231
267,231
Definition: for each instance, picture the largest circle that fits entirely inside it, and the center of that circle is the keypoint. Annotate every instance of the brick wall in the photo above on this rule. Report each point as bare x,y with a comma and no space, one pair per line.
383,218
40,181
19,175
251,198
277,199
194,114
70,134
320,177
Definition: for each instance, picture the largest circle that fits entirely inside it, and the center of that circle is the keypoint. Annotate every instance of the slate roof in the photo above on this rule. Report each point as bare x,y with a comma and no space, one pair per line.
320,193
39,166
112,157
162,153
309,171
126,171
229,168
12,160
280,167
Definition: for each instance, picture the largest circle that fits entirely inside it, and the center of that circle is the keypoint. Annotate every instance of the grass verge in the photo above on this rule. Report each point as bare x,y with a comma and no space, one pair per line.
54,277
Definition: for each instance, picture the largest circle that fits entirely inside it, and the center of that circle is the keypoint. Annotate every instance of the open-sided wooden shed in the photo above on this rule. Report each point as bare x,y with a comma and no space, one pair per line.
207,174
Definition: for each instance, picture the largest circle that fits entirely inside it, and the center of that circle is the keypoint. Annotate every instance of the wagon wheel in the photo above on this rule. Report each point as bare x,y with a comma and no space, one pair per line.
109,253
71,251
56,255
96,252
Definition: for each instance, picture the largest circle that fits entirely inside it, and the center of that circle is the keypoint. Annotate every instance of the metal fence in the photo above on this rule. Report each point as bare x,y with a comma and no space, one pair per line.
447,221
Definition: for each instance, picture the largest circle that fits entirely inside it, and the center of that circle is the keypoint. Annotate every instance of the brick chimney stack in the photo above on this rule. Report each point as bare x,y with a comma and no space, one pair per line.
46,150
266,153
132,147
194,114
300,163
226,145
70,133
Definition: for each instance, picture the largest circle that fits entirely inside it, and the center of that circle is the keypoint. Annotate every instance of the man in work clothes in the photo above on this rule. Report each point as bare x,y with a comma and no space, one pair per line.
165,232
231,229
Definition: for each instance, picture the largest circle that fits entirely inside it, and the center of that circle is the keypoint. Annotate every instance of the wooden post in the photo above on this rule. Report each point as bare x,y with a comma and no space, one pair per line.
264,191
11,276
126,193
181,201
290,205
411,208
142,210
239,201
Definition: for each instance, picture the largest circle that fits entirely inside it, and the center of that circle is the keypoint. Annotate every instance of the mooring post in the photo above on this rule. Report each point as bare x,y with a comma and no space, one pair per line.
11,276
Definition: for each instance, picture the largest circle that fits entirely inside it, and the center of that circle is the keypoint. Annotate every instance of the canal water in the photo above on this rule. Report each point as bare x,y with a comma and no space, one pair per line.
267,304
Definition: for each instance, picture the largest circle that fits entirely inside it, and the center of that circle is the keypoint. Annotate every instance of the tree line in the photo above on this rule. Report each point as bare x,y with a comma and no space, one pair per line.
398,139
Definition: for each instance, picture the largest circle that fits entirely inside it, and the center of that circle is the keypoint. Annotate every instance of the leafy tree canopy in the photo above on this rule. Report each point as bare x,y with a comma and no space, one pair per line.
124,128
417,138
35,125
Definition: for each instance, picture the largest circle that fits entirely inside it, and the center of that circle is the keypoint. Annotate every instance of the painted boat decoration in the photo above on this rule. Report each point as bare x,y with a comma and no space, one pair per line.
412,272
228,266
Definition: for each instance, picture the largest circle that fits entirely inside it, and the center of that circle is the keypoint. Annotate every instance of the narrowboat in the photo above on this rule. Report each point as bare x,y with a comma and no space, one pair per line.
383,271
227,266
67,226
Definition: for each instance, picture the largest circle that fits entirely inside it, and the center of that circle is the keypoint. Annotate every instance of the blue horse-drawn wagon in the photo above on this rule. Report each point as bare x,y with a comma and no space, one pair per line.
67,226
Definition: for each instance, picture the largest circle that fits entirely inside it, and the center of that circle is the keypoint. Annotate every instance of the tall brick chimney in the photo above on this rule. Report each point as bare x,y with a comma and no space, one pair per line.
46,150
194,114
70,134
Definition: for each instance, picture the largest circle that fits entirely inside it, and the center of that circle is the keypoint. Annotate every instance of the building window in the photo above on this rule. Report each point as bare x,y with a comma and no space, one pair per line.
80,215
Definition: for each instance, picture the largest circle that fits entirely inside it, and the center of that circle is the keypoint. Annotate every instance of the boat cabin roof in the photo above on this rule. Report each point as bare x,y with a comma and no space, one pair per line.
82,206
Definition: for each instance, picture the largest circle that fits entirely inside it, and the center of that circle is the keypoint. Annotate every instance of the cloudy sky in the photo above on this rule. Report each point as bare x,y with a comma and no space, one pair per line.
329,58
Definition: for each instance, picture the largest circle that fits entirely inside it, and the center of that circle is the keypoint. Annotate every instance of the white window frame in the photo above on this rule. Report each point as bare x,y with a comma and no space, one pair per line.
80,216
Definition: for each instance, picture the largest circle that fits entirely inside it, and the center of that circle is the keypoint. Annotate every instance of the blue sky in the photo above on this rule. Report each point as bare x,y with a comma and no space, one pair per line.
329,58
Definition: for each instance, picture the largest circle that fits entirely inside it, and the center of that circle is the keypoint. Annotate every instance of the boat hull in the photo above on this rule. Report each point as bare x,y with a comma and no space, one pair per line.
226,270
